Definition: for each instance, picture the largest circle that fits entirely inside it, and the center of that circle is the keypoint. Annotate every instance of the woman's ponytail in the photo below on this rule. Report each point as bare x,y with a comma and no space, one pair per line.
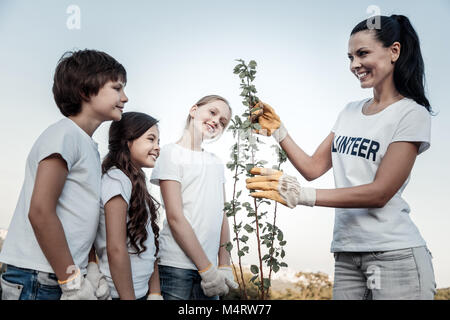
409,70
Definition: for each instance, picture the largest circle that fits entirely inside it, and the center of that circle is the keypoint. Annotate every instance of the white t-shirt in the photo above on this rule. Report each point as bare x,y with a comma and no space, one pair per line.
115,182
77,207
360,142
201,175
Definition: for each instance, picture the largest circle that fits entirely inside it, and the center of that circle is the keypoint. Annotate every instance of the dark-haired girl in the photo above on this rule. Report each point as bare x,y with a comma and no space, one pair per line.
127,240
379,252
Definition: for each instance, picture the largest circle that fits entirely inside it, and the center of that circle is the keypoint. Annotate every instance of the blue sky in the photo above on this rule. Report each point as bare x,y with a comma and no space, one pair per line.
178,51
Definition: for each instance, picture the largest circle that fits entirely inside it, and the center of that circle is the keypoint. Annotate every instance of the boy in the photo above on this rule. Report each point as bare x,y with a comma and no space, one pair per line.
56,218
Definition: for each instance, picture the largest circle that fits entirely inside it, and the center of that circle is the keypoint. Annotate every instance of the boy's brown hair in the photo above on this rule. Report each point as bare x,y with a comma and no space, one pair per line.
80,75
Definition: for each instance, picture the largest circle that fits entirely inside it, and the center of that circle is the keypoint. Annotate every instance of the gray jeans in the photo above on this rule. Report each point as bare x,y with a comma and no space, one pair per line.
388,275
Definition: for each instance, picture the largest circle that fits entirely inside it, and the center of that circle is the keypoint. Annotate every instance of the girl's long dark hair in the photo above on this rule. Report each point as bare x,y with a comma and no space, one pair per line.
409,71
130,127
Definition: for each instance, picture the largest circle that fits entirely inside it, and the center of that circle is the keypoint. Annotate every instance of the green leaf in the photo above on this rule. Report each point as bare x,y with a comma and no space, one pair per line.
244,238
254,269
249,167
248,228
246,124
275,268
280,235
252,64
256,126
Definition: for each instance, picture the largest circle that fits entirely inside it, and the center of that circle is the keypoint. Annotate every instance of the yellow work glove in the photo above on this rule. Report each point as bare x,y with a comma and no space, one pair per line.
280,187
269,121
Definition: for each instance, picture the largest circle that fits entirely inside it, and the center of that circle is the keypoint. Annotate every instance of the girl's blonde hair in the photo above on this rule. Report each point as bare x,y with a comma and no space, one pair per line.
206,100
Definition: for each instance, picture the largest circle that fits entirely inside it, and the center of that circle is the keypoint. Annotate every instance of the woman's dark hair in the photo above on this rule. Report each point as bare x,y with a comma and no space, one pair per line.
409,72
80,75
130,127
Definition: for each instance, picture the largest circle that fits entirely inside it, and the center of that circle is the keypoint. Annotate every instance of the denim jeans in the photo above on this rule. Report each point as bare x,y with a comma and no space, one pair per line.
181,284
405,274
25,284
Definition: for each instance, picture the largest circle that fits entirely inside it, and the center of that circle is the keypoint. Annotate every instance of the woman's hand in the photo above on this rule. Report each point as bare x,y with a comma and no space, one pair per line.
280,187
269,121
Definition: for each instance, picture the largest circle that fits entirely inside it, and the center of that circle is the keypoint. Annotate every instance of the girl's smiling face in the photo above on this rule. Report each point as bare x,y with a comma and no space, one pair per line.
370,61
145,150
210,119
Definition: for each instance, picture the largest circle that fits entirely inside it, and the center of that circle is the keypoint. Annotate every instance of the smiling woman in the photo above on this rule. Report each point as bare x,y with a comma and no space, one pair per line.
395,55
372,149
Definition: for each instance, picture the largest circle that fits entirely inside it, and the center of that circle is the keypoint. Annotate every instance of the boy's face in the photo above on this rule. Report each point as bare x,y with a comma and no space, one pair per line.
109,103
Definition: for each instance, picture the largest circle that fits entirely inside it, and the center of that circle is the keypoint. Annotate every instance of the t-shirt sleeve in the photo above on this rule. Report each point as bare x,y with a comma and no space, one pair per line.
53,141
114,183
334,128
167,167
415,126
338,119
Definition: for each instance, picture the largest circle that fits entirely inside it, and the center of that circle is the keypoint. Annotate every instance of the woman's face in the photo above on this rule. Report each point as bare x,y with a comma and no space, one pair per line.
370,61
145,150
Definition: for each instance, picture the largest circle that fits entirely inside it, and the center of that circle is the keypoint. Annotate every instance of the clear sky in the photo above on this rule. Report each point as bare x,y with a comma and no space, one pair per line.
178,51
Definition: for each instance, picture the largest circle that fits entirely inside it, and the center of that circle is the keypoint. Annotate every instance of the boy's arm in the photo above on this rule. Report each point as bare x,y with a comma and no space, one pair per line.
116,247
50,179
181,229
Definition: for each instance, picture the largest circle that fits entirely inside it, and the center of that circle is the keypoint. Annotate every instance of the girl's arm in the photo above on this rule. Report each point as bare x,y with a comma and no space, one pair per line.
50,179
224,255
116,247
393,171
310,167
92,255
154,284
181,228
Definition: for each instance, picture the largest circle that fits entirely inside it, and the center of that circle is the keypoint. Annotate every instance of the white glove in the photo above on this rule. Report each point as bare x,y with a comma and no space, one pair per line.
213,282
227,272
155,296
77,288
98,281
280,133
293,194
